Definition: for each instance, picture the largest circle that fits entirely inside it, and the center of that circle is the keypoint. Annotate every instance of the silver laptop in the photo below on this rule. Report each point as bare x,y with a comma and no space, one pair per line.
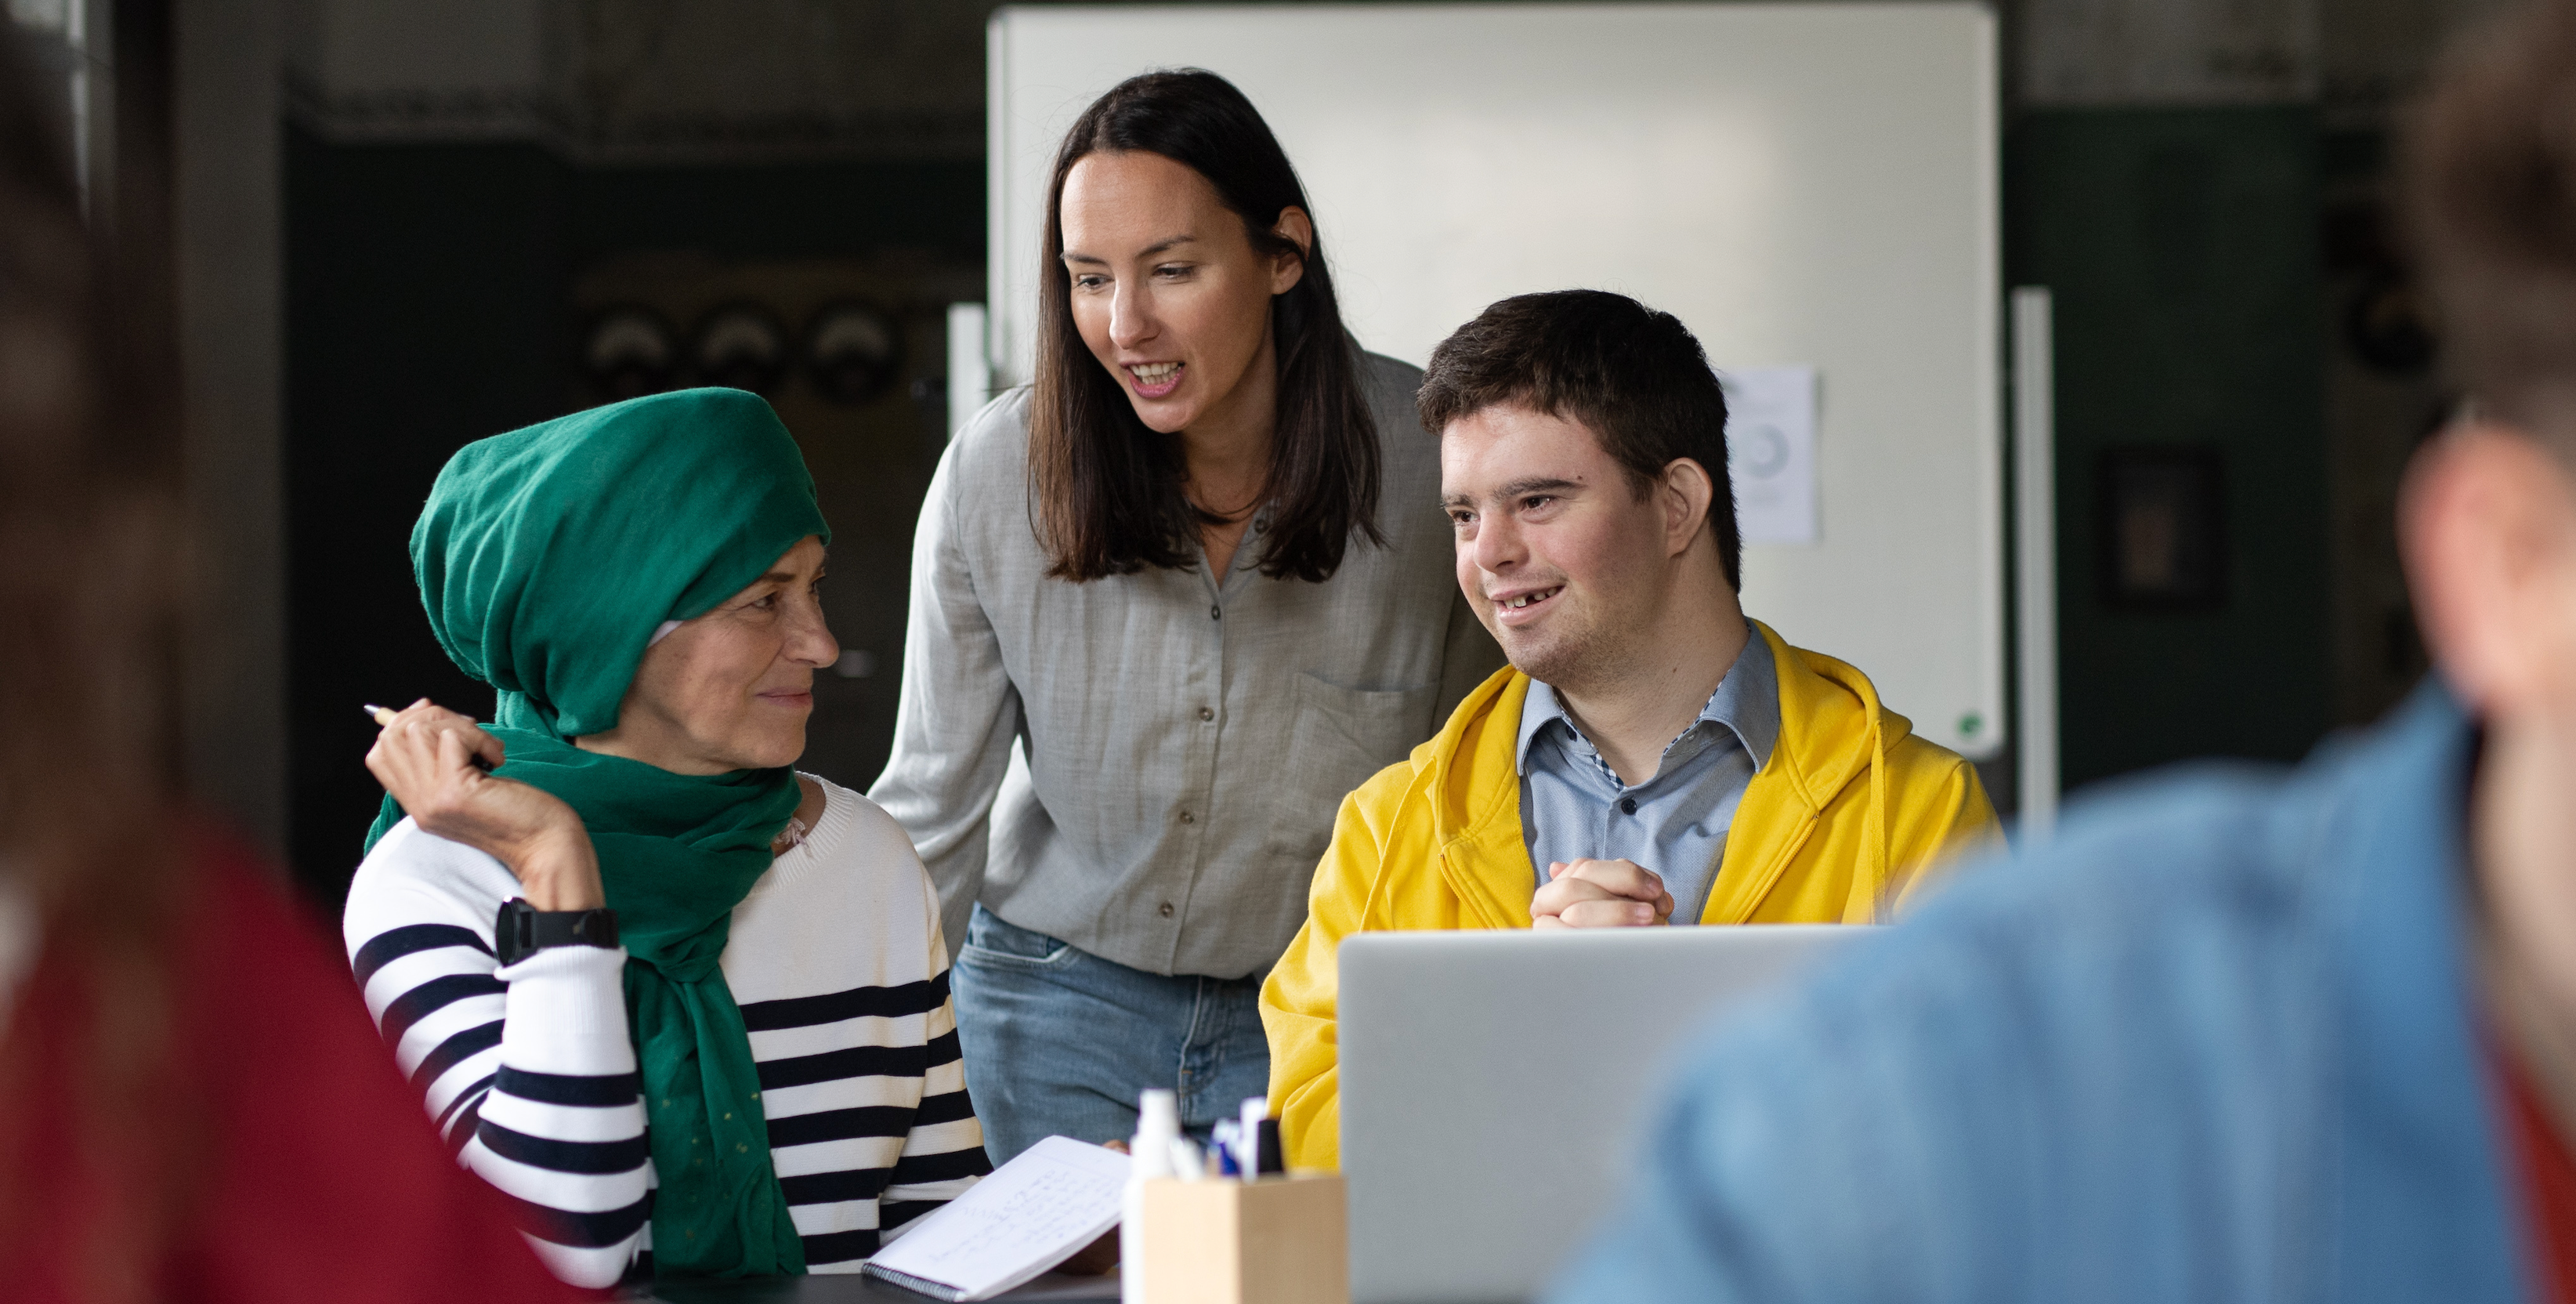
1459,1053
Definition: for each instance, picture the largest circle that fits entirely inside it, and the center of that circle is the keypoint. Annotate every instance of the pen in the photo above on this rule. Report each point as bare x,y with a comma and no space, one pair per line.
1223,1149
384,715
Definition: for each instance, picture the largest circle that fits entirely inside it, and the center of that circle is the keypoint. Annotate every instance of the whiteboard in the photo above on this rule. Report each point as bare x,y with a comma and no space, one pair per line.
1804,185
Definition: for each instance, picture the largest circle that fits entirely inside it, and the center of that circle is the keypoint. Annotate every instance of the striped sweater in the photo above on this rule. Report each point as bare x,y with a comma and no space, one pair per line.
837,962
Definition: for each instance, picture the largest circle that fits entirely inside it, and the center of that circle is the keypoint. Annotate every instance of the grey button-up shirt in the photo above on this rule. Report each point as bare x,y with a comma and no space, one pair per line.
1574,806
1182,744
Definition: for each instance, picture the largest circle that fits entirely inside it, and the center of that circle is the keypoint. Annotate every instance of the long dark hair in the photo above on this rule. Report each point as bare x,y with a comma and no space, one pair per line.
1107,488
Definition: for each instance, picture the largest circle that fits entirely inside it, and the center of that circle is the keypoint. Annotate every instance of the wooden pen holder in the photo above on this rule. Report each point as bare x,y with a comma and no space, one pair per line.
1280,1240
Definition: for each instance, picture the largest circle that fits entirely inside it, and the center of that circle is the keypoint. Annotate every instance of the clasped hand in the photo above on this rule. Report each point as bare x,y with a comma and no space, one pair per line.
1601,894
425,758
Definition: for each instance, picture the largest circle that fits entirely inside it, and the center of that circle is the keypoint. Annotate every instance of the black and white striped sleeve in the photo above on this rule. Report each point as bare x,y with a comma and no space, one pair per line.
943,1153
528,1071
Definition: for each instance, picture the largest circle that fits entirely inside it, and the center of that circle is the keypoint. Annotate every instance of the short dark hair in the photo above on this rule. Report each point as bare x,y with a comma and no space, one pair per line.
2490,191
1633,376
1106,489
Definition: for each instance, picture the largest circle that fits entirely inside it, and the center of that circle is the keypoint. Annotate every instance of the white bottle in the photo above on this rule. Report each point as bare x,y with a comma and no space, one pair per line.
1255,1109
1158,1125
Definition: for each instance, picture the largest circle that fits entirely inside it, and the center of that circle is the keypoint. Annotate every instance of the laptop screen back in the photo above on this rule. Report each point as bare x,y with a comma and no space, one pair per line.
1493,1086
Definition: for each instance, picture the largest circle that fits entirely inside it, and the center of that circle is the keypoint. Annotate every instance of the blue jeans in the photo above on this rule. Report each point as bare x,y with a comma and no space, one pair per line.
1060,1041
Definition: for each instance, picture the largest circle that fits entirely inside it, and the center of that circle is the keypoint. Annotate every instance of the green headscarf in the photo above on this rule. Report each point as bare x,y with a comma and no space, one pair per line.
546,558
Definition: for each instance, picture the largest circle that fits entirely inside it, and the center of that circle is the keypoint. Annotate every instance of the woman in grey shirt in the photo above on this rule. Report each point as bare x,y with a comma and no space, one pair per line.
1169,604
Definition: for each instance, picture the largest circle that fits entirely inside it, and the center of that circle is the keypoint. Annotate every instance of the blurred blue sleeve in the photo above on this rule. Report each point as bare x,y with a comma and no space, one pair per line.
1800,1159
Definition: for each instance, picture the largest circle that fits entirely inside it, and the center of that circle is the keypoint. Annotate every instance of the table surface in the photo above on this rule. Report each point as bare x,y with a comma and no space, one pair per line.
852,1288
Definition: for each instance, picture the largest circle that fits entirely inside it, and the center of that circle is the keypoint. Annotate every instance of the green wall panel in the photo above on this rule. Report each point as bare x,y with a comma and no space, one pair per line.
2182,247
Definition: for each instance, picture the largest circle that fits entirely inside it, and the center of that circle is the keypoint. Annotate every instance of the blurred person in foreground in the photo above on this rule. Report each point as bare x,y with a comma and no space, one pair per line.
192,1103
2232,1034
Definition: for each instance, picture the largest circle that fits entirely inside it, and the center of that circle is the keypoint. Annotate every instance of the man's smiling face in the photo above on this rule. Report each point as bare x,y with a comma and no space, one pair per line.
1563,559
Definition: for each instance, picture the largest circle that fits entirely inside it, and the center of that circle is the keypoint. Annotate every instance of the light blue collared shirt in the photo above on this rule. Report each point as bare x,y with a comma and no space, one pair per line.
1573,805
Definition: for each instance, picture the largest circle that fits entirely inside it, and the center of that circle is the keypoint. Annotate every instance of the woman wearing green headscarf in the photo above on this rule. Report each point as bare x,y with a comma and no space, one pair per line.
688,1007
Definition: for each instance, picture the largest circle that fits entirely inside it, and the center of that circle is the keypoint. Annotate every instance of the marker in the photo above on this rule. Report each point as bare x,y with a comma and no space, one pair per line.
384,715
1223,1148
1273,1160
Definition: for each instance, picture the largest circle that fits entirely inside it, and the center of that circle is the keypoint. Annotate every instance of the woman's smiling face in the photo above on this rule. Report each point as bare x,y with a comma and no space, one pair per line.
1167,289
732,689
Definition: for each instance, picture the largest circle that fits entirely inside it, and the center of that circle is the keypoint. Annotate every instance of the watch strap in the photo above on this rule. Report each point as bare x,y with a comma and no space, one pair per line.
522,930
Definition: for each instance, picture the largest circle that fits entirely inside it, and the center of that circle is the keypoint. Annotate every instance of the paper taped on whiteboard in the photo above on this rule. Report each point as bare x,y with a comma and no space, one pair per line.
1771,452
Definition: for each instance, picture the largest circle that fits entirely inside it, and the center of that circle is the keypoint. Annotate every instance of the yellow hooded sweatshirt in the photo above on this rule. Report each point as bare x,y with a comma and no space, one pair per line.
1836,827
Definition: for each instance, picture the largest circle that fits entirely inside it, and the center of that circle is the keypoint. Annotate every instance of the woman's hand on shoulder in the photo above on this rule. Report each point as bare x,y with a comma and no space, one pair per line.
426,759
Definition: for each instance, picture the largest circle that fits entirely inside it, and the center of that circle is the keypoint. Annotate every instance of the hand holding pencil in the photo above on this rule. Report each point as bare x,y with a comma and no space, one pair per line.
437,764
386,715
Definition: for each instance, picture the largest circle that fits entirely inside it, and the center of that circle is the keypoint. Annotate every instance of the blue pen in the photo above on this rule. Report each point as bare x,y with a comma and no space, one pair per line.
1227,1135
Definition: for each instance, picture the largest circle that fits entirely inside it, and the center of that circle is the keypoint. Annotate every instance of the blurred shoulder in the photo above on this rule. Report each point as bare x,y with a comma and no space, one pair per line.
2173,909
261,932
2195,849
2142,986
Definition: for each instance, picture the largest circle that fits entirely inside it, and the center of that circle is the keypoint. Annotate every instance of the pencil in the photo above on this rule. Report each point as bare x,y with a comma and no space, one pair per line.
384,715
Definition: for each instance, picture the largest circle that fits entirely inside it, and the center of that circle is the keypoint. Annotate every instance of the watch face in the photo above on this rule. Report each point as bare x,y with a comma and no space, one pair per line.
510,932
522,929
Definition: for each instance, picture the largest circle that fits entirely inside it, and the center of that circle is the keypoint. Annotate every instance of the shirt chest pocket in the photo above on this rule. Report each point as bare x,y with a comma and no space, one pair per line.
1341,736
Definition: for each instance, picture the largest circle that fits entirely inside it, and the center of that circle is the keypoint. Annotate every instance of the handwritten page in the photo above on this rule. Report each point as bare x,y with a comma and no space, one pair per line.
1030,1215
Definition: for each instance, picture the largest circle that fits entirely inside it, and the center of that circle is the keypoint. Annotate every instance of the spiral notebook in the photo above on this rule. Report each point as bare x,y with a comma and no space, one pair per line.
1028,1216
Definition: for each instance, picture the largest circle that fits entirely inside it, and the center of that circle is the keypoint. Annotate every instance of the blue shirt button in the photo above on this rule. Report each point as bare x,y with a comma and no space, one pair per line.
1627,805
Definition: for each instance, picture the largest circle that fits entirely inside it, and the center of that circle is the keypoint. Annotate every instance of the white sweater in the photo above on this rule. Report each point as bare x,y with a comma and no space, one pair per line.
837,962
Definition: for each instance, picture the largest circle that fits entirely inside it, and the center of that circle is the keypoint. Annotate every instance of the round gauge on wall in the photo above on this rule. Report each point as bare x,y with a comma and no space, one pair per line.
629,351
853,351
742,346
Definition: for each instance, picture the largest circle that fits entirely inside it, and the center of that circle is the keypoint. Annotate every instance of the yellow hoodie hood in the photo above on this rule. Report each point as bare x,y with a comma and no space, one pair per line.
1835,827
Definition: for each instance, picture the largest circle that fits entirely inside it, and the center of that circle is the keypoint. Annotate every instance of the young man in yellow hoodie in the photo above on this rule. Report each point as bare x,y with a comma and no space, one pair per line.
1650,756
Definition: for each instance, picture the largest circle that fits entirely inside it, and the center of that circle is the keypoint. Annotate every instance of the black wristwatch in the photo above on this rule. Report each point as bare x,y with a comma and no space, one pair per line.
523,930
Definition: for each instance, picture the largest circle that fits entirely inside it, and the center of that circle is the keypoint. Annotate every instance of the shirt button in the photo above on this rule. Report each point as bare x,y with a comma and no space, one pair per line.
1627,805
1166,911
1215,612
1206,713
1188,818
